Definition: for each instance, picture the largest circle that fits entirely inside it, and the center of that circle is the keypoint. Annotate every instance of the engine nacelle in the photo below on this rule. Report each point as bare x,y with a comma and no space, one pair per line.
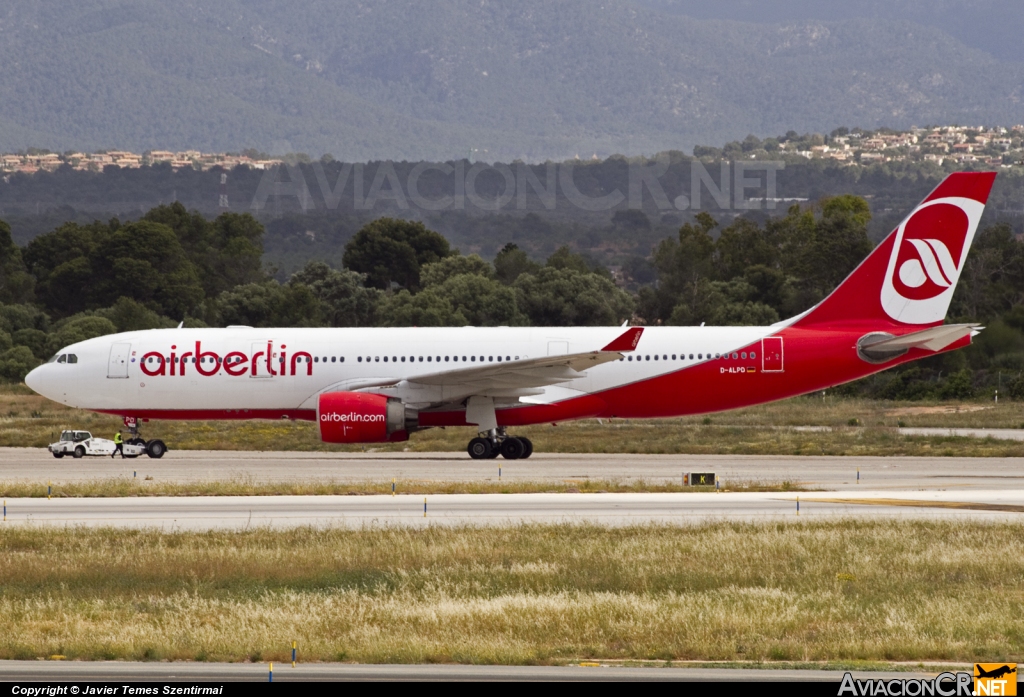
355,417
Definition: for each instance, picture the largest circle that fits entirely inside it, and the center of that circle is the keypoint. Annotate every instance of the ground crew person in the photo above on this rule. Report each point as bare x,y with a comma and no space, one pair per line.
118,445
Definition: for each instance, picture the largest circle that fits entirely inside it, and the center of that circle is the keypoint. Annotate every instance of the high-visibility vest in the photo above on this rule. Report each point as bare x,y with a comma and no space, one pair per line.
117,439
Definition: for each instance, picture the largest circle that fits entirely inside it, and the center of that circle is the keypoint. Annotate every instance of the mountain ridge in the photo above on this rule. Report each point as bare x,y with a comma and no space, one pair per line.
401,80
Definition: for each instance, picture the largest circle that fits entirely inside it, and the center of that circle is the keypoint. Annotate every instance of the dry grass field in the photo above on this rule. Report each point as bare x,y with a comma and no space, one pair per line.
247,486
859,427
819,591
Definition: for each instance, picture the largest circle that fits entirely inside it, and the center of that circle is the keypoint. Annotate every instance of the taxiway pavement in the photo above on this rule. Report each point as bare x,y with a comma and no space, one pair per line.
612,509
831,473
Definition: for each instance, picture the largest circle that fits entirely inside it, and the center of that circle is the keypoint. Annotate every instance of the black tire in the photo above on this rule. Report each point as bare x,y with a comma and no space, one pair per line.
512,448
529,447
58,455
156,449
479,449
79,453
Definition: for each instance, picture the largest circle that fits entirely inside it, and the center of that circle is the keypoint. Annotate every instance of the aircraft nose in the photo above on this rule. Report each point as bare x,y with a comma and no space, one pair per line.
35,379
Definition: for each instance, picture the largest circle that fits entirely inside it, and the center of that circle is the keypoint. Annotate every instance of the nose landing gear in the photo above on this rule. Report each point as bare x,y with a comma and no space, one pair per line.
490,444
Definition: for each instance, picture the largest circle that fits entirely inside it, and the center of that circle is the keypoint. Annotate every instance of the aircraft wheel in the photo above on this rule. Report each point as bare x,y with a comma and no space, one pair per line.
156,449
58,455
479,449
512,448
529,447
79,453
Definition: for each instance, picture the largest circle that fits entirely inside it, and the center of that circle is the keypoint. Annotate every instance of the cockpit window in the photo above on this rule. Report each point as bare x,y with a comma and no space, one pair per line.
54,358
72,358
63,358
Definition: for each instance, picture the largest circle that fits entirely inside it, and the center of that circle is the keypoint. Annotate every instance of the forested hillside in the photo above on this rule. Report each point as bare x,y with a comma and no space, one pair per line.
83,280
405,80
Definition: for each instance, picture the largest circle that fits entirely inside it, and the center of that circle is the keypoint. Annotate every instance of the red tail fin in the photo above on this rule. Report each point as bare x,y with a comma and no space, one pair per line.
910,277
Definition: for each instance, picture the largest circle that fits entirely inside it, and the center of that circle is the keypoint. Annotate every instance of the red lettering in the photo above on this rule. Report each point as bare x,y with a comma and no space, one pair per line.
270,361
234,363
184,361
309,361
255,357
148,370
201,367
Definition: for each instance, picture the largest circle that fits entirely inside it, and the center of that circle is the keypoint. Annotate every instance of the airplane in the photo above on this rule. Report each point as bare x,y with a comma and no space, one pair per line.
379,385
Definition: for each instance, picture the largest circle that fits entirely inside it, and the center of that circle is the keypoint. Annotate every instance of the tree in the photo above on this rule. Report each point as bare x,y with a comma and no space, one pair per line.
77,329
16,363
15,282
456,265
390,251
511,262
566,297
426,309
483,302
344,301
564,258
269,304
227,251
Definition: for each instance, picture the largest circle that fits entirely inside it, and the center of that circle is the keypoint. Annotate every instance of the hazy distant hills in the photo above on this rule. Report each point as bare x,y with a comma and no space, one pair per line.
401,79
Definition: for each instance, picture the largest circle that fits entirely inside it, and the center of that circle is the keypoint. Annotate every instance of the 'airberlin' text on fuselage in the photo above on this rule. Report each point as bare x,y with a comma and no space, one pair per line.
265,362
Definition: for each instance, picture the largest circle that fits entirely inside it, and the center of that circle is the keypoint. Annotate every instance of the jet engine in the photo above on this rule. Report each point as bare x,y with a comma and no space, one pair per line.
355,417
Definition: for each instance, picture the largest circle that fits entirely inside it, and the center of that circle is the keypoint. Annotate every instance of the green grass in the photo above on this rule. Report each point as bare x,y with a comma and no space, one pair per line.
843,592
121,487
28,420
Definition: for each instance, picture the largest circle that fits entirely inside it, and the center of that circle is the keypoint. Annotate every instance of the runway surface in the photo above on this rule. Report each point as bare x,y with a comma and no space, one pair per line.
832,473
103,671
279,512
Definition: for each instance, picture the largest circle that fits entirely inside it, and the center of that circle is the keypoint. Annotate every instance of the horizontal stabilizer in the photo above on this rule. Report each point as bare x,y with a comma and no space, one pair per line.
883,347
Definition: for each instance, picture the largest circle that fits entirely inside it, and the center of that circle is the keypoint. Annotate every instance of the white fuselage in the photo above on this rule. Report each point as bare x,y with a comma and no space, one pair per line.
132,371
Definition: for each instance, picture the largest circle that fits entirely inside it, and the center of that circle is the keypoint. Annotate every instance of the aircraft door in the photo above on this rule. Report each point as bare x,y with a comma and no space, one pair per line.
117,366
771,354
262,365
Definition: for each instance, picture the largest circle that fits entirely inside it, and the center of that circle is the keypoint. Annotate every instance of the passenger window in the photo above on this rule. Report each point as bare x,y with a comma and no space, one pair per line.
735,356
665,357
700,356
753,355
673,356
743,354
655,356
446,359
691,356
630,358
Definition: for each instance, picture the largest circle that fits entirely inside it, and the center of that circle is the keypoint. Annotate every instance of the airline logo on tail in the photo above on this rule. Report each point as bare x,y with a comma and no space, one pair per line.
927,257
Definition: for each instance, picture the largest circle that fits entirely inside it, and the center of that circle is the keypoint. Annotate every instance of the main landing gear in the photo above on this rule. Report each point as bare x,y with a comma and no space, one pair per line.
490,444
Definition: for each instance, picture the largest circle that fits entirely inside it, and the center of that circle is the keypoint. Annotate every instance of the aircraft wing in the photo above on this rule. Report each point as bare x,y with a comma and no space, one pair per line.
530,372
